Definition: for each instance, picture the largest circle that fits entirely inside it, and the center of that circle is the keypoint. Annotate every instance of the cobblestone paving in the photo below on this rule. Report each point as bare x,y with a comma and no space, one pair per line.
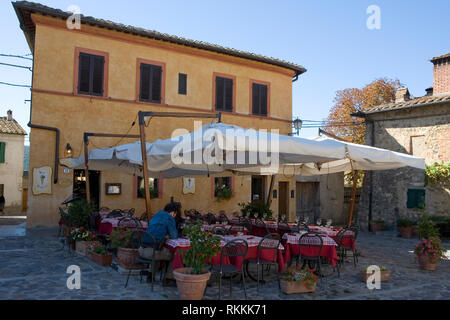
34,267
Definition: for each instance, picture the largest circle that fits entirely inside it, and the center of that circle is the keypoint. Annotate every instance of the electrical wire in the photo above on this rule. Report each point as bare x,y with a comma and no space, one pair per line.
16,56
15,85
15,65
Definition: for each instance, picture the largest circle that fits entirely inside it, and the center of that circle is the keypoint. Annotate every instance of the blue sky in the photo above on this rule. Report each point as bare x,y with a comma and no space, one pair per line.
329,38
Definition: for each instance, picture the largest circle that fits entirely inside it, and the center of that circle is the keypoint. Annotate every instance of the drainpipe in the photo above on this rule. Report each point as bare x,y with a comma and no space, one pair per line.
372,143
37,126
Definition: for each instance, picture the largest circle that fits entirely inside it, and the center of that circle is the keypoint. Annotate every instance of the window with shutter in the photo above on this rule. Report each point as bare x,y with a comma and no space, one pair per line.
415,198
2,152
182,83
224,94
259,99
91,74
151,83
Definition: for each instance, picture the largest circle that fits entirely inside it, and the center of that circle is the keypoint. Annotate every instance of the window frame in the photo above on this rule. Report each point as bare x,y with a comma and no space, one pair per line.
233,99
180,76
2,152
417,205
140,61
159,185
105,55
264,83
213,185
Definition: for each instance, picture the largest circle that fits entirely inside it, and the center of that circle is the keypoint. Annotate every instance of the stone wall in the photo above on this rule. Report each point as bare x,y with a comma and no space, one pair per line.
421,131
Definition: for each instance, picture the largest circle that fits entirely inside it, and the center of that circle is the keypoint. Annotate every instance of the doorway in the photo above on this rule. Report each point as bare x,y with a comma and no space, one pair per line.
308,200
79,185
258,188
283,201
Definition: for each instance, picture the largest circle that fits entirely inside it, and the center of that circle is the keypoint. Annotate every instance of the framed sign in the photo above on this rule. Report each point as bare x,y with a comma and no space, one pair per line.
113,188
188,185
42,180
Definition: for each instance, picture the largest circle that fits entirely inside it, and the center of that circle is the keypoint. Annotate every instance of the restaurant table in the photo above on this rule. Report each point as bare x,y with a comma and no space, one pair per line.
348,239
272,226
229,227
291,244
107,225
182,244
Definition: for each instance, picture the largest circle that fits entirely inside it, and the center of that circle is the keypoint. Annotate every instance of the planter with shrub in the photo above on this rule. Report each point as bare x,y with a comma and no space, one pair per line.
121,239
297,280
377,225
100,256
405,227
385,274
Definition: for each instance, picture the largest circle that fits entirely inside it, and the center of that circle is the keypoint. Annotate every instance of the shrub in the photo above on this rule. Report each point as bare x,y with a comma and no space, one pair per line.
77,216
100,250
297,274
404,223
120,238
432,247
258,210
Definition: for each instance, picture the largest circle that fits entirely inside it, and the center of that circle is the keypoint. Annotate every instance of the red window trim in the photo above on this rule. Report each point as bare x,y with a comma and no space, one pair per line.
79,50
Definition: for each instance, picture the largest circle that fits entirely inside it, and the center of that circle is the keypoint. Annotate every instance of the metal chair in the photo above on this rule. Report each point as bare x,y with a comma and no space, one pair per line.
234,229
220,230
262,225
346,233
210,218
115,213
136,243
223,218
269,242
309,240
283,228
234,248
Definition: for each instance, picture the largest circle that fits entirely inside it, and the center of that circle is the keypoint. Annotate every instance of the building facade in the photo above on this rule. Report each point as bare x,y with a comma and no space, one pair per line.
416,126
12,138
97,78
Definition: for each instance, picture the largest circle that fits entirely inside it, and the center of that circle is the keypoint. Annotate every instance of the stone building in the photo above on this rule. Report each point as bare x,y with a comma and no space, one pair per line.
417,126
11,162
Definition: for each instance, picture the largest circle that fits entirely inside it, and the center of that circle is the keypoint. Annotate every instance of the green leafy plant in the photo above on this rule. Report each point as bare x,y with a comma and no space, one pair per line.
308,277
259,210
153,193
223,193
78,213
203,246
81,234
100,250
404,223
427,228
120,238
437,173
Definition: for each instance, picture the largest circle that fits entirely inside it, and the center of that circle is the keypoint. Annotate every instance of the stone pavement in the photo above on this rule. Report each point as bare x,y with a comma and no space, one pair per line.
34,267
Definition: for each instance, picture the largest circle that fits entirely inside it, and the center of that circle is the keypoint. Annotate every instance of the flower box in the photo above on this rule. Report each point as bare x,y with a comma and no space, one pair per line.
83,247
289,287
384,275
103,260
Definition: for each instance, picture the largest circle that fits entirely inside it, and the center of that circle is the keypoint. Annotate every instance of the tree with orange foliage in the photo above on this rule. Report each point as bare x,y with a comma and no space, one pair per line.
348,101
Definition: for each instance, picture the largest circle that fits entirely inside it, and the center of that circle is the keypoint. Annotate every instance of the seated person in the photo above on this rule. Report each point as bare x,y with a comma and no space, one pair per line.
179,220
162,226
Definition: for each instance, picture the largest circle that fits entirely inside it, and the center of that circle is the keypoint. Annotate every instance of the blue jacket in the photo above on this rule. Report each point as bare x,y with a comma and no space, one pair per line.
161,224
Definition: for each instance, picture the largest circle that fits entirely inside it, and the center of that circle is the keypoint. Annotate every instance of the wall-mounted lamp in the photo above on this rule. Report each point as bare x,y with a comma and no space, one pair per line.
297,125
68,151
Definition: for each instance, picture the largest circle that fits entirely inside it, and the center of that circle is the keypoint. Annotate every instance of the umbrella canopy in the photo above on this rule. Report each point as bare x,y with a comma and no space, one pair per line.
219,147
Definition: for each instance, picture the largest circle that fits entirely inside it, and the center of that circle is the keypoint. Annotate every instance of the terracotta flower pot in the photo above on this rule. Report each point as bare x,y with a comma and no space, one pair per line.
290,287
82,247
415,232
384,275
103,260
127,257
190,286
406,232
425,263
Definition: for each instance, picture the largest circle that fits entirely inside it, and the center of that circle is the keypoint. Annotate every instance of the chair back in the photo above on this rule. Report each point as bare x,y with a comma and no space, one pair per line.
262,225
234,248
270,241
210,218
115,213
355,230
283,228
130,212
245,223
223,218
130,222
236,228
346,233
220,230
311,240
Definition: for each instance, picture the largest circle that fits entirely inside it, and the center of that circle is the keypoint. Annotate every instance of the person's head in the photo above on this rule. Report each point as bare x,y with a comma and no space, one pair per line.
173,208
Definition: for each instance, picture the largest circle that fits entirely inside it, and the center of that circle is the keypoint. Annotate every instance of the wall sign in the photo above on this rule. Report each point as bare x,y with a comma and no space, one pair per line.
292,194
113,188
42,180
188,185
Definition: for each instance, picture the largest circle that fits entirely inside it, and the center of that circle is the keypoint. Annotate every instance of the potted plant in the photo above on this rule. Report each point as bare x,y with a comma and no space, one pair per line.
405,227
260,210
83,240
121,240
100,256
385,274
429,250
377,225
191,279
223,193
297,280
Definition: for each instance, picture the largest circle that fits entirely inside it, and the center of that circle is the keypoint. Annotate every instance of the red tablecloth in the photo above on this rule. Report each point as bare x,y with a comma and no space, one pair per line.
290,242
177,245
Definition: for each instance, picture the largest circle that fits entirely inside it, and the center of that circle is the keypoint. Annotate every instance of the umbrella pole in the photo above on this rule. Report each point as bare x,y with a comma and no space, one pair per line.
86,172
269,197
144,164
352,200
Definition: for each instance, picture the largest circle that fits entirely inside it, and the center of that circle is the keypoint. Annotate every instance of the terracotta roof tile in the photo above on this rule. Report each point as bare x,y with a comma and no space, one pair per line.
10,126
24,7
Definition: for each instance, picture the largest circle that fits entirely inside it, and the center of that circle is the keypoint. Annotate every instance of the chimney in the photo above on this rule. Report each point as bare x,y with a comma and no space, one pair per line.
441,74
429,91
402,95
9,113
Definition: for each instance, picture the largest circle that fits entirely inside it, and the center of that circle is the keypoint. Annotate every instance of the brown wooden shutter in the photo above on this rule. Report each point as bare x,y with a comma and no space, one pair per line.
98,65
84,68
2,152
182,83
228,105
263,100
220,93
145,82
156,83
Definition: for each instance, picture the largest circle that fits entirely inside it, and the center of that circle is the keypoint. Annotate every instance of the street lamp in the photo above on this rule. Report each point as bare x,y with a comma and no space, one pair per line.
297,124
